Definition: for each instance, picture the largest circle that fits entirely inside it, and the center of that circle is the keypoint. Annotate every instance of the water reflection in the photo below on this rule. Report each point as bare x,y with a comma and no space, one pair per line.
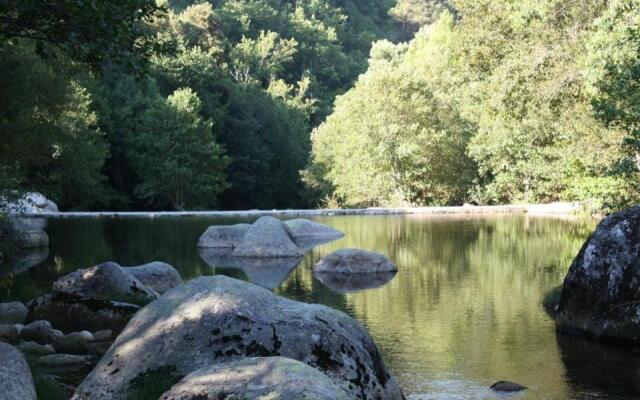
346,283
462,312
22,261
266,272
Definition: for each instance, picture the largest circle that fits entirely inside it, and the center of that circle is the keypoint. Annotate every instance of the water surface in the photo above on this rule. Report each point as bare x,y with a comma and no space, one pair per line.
463,311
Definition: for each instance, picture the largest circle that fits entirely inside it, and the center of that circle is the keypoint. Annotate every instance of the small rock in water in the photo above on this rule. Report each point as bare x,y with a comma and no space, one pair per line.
34,348
74,343
9,333
506,386
13,313
40,332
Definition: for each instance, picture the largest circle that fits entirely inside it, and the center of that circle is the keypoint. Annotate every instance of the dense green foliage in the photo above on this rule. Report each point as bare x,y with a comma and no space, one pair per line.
266,103
540,96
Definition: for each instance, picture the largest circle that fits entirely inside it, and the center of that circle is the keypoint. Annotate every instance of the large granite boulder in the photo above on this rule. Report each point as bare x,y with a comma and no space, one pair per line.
216,319
158,276
222,236
16,382
70,312
267,237
30,203
308,234
347,261
257,378
600,295
266,272
107,281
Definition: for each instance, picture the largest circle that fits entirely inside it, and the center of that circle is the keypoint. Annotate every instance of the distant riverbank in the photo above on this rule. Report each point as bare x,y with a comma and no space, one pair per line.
551,209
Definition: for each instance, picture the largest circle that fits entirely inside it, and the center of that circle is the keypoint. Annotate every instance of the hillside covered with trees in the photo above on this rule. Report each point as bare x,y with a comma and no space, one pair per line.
238,104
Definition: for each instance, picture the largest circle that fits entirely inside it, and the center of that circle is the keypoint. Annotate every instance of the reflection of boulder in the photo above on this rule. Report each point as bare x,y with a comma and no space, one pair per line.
603,371
18,235
345,283
23,260
266,272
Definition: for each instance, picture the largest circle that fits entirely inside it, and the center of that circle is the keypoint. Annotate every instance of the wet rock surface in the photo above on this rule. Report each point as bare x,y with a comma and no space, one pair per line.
257,378
212,320
16,382
600,296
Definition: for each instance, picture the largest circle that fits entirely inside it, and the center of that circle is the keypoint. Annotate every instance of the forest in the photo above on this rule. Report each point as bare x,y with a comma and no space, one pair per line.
239,104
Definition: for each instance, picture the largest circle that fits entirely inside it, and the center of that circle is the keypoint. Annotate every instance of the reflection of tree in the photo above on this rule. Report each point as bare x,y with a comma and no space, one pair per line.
467,295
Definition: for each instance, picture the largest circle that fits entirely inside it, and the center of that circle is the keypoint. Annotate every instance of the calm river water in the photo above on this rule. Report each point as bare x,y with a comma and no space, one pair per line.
463,311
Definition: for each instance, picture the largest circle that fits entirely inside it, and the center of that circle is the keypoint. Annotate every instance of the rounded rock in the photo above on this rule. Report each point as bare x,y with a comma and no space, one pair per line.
347,261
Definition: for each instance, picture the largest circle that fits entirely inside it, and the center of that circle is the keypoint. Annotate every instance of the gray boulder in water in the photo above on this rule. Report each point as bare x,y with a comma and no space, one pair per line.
16,382
156,275
106,281
267,237
308,234
70,312
222,236
257,378
346,261
600,296
216,319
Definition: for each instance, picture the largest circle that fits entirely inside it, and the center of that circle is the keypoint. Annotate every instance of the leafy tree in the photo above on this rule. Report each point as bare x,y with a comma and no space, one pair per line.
175,154
89,31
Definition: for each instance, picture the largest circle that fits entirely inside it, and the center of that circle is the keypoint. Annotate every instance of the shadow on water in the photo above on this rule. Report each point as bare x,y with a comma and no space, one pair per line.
598,371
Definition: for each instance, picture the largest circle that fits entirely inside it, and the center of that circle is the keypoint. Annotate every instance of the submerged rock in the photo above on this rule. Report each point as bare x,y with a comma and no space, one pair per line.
267,237
157,275
40,332
36,349
266,272
222,236
347,283
74,313
16,382
308,234
600,295
13,313
347,261
106,281
506,386
257,378
217,319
